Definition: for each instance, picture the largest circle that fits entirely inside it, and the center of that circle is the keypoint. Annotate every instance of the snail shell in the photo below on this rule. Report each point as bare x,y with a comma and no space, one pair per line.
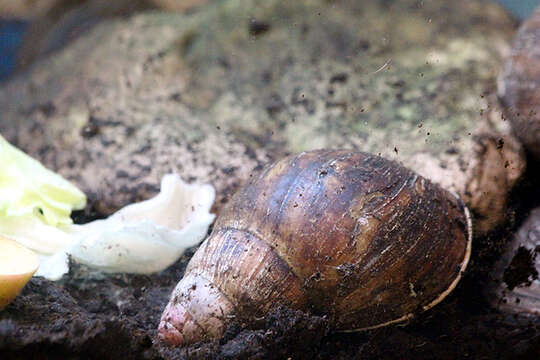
346,234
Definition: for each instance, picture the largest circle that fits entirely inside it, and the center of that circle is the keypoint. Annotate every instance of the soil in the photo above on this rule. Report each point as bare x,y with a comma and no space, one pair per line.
90,315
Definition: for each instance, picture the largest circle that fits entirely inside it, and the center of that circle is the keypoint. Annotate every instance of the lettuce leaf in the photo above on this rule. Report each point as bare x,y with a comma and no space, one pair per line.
28,188
146,237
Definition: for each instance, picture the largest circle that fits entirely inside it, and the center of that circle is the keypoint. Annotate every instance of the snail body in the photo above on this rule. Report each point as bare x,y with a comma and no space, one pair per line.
346,234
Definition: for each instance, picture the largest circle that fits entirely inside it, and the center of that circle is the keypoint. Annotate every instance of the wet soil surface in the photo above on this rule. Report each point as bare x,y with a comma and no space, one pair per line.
89,315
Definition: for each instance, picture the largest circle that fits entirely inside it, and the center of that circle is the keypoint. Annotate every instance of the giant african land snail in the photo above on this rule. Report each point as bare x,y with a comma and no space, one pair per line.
346,234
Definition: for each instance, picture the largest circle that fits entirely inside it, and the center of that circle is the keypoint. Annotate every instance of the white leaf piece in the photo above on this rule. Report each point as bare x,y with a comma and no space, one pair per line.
142,238
148,236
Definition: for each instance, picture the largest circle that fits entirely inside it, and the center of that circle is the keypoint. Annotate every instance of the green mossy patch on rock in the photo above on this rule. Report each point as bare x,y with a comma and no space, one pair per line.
216,93
205,92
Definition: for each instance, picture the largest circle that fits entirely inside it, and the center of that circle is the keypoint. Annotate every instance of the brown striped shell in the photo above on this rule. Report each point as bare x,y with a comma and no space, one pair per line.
344,234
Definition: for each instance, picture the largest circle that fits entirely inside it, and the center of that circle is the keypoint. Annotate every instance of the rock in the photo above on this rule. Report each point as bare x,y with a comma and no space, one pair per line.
519,84
55,23
51,30
30,10
179,5
25,9
517,284
216,93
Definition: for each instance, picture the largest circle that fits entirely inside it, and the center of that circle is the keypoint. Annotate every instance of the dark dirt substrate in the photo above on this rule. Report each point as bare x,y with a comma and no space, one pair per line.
95,316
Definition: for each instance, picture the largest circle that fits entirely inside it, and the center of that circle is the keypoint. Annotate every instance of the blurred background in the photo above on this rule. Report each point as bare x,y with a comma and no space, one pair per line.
520,8
32,28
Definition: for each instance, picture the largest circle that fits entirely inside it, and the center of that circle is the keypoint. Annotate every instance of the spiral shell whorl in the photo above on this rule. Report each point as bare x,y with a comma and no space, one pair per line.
340,233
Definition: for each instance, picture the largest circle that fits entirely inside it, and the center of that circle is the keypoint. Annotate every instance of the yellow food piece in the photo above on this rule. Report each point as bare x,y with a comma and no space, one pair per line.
17,265
28,188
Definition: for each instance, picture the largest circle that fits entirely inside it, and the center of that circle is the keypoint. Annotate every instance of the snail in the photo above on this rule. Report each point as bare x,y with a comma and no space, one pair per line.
349,235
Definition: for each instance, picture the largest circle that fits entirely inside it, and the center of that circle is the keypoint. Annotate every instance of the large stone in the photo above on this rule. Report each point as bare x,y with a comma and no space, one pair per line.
519,84
24,9
55,27
216,93
55,23
32,9
179,5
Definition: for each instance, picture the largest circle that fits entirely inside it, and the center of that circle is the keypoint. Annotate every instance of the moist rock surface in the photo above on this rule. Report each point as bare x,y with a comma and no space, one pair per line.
216,93
519,84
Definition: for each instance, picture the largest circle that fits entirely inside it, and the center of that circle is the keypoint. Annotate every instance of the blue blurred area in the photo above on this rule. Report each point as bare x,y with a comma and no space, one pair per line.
11,33
520,8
